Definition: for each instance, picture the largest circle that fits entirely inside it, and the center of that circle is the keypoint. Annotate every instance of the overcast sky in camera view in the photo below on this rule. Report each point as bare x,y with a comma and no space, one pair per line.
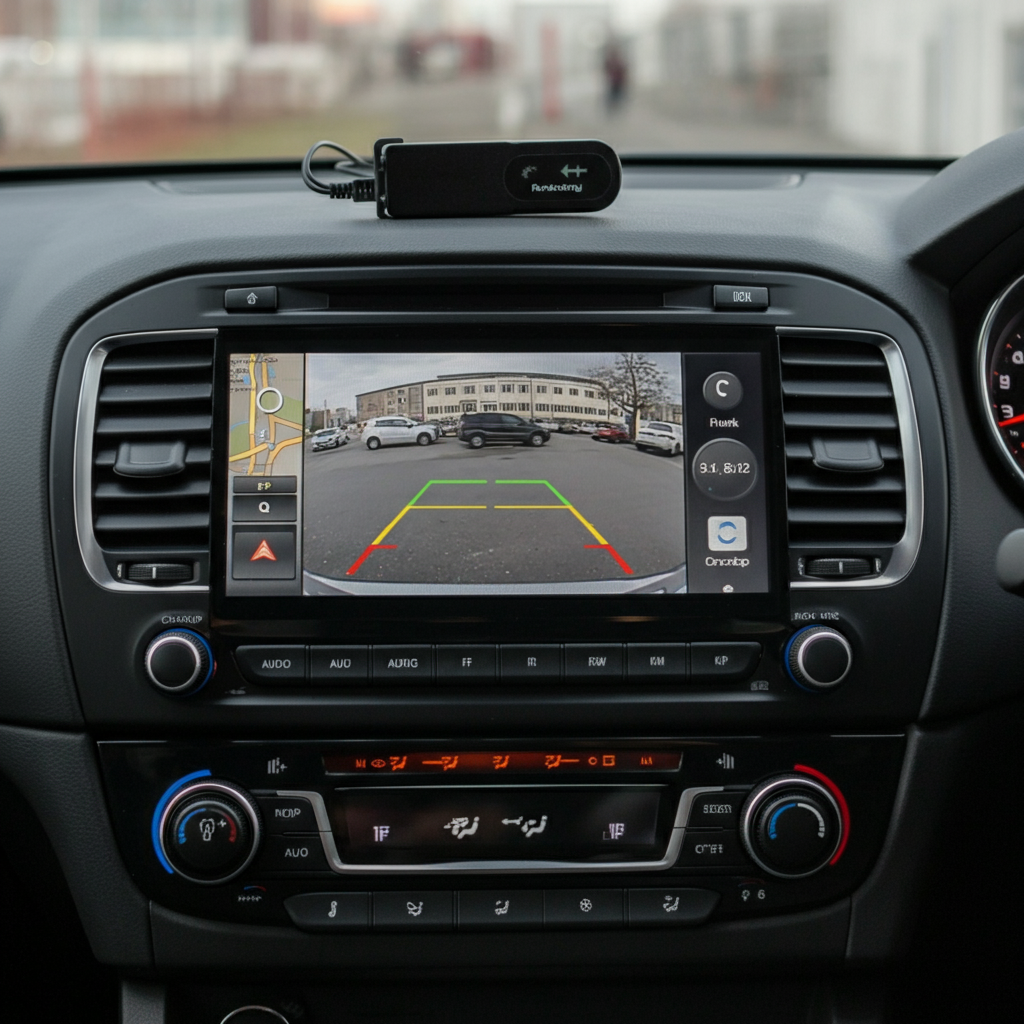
337,378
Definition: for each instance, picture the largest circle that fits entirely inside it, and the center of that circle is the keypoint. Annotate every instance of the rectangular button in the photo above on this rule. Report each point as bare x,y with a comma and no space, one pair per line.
265,508
477,663
724,662
267,554
523,663
265,484
740,296
583,908
250,300
427,911
597,662
665,908
406,663
263,665
658,661
287,814
501,909
716,810
711,849
330,911
342,665
293,853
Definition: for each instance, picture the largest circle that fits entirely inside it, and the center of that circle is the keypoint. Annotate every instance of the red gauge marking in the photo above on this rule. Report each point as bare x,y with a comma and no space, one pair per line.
1015,419
844,810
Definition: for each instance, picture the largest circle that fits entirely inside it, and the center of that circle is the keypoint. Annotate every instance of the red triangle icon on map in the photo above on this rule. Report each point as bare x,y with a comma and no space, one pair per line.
263,551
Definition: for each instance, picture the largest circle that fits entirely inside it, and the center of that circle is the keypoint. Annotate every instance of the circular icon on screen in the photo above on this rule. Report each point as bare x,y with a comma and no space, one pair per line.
725,469
723,390
269,400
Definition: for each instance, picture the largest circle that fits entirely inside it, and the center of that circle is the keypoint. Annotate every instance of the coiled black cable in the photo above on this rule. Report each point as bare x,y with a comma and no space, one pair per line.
362,189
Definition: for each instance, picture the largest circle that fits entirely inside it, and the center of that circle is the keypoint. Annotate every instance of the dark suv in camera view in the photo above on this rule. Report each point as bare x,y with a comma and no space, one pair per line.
480,428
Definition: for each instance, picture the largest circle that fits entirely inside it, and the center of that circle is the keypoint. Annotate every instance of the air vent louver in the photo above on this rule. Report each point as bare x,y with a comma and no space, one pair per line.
844,462
151,461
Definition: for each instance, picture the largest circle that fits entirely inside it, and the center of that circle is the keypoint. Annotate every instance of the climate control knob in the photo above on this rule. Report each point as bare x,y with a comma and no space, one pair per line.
818,657
178,661
210,831
791,826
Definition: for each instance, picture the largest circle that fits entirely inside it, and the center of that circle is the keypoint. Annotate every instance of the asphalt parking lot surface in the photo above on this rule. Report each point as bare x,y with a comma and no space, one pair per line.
574,510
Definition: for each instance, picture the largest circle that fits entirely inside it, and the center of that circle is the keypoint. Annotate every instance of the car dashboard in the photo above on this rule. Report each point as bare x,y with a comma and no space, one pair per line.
270,741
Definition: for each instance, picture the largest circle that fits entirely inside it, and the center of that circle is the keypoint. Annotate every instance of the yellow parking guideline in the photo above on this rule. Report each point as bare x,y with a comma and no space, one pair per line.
394,522
446,506
600,539
533,506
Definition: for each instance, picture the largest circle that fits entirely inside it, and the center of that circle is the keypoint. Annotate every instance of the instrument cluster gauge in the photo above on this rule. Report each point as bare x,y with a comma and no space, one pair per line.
1001,375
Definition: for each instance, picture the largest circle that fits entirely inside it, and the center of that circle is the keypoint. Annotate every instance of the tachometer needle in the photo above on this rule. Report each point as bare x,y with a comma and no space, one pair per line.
1015,419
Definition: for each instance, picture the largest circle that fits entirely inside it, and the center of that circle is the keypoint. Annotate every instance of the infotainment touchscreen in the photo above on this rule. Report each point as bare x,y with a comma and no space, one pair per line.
496,473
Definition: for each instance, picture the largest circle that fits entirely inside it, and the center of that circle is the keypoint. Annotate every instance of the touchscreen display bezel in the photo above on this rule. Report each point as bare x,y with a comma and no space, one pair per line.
378,618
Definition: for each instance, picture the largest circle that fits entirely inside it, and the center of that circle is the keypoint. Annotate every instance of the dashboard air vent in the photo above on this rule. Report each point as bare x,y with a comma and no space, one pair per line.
844,461
151,462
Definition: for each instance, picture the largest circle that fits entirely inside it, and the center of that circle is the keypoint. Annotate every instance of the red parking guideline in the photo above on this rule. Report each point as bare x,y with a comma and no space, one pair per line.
618,558
365,555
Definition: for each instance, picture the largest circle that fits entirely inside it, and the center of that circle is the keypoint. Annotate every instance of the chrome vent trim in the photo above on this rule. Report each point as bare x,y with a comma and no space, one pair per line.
85,452
905,551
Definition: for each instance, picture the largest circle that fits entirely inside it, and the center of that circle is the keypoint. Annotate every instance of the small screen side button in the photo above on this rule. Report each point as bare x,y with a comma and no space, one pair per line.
740,296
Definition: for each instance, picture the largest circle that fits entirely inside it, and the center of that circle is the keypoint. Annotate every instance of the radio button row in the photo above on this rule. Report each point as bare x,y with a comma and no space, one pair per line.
486,663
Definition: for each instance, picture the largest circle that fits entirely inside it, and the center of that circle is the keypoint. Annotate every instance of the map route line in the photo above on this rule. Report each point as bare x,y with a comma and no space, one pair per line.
281,445
252,412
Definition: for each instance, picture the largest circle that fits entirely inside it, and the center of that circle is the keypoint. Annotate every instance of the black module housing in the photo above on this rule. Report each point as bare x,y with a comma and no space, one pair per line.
487,179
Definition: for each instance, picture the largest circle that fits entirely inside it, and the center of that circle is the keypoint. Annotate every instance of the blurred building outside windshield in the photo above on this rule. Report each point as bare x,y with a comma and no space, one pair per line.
153,80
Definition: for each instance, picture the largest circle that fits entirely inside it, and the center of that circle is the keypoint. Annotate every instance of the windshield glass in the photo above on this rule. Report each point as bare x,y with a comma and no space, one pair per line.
154,80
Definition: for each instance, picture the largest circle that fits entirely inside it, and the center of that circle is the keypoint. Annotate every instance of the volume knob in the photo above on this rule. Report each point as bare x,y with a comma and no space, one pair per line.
178,661
818,657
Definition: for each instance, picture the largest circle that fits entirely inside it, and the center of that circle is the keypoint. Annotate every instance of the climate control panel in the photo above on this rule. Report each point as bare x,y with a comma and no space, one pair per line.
265,831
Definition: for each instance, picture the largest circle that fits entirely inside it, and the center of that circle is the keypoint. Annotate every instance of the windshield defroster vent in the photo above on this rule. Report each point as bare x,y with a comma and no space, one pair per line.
151,452
845,474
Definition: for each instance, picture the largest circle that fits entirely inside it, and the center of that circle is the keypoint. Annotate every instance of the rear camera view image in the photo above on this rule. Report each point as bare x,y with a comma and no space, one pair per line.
460,473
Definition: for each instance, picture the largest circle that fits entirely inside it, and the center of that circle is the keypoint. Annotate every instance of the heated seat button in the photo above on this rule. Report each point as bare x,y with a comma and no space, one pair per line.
293,853
330,911
270,665
287,814
724,662
657,661
525,663
340,665
403,664
712,849
716,810
599,663
501,909
422,911
470,664
667,908
583,908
